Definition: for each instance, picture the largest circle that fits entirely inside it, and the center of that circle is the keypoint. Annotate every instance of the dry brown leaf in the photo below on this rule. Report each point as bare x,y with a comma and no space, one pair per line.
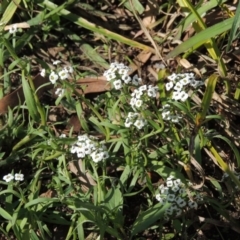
185,63
75,123
150,12
93,85
139,61
49,194
18,25
55,50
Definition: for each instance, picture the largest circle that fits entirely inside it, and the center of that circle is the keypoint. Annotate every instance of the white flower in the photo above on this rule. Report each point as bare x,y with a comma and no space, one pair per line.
196,84
53,77
19,177
170,197
80,154
176,96
128,123
56,62
105,155
178,87
177,182
110,76
172,77
185,81
175,188
83,138
59,92
152,91
73,149
97,157
138,103
117,84
169,86
137,93
8,178
183,96
143,88
192,204
182,191
166,115
43,72
123,71
127,79
132,115
13,29
161,199
140,123
68,69
169,183
181,202
87,150
63,74
113,64
132,102
136,80
164,190
158,197
165,107
175,119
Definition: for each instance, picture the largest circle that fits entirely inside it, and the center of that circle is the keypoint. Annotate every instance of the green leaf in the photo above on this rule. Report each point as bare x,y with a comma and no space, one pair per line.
5,214
113,199
233,147
200,38
147,218
137,5
9,12
92,55
235,27
207,98
29,98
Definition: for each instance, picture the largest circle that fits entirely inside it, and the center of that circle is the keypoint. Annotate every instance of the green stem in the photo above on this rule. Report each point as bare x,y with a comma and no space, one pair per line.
39,107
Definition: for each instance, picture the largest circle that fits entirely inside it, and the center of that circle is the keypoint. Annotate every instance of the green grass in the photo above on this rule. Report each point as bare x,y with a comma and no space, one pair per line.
118,162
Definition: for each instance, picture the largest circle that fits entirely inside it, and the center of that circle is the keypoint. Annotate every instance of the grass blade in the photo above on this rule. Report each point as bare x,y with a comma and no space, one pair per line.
93,27
200,38
235,26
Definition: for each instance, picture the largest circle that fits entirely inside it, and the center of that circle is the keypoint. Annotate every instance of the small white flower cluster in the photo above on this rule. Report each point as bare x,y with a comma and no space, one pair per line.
142,94
86,146
174,192
135,119
10,177
118,74
139,97
178,82
61,73
168,116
